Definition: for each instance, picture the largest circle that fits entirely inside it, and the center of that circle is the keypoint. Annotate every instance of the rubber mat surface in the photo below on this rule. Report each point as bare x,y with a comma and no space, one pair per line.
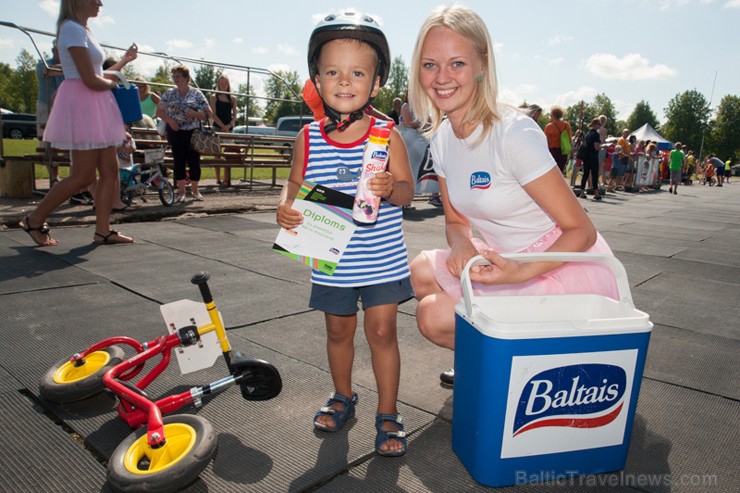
38,456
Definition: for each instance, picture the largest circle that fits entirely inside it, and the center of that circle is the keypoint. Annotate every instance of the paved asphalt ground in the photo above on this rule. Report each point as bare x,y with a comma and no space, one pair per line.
681,253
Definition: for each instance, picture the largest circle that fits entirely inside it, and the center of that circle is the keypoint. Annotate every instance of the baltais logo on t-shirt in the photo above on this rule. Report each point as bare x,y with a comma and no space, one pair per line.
480,180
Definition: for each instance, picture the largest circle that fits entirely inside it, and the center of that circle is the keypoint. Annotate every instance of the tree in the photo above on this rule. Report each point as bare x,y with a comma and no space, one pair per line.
241,104
641,115
23,85
283,91
6,74
162,77
395,87
602,105
579,115
724,138
205,78
687,118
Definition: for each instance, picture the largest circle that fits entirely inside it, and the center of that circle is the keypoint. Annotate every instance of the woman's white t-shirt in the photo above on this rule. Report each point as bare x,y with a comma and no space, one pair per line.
73,34
485,182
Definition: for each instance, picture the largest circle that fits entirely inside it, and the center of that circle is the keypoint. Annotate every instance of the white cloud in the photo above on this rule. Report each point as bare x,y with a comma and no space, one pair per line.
518,94
667,4
583,93
286,49
278,67
6,43
103,20
260,50
559,39
732,4
146,65
550,61
237,41
632,66
209,42
178,44
51,7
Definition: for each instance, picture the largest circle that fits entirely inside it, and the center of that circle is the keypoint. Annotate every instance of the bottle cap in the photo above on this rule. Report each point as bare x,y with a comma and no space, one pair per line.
383,133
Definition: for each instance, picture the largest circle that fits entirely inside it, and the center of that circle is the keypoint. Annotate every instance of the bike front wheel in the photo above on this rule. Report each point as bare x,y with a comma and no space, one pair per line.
70,382
166,193
190,444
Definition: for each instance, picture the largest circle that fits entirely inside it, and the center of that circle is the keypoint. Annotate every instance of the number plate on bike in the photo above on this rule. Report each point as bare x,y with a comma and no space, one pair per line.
205,352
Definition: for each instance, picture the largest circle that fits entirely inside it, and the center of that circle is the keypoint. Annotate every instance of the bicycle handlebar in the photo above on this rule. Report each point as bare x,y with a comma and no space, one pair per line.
201,280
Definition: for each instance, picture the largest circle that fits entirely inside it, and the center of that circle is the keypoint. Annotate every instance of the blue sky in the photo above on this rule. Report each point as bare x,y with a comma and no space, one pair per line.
547,52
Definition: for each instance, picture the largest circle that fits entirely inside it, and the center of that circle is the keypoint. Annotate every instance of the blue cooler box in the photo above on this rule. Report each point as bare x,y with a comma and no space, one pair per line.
546,386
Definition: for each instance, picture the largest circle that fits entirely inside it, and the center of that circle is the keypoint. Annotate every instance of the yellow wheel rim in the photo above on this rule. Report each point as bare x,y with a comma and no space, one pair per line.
69,373
140,458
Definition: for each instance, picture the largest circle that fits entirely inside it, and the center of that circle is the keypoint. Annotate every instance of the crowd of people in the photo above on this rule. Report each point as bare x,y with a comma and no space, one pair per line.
612,164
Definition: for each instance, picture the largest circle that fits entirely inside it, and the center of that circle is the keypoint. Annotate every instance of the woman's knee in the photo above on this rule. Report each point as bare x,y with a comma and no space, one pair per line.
422,276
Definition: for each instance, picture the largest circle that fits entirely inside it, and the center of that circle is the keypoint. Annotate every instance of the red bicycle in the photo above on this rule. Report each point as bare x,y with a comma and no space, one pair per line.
166,453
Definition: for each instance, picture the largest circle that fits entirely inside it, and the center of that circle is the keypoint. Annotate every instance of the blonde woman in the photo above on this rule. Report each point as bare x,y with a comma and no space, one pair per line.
223,106
86,120
494,158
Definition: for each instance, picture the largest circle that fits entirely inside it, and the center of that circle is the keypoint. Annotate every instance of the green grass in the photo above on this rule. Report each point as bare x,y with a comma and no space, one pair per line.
21,147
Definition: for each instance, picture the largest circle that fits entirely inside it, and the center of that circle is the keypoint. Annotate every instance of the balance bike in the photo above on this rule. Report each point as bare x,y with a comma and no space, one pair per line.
165,454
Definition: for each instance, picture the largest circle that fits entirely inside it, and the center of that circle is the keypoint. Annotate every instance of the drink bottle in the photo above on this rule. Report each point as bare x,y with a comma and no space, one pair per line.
374,160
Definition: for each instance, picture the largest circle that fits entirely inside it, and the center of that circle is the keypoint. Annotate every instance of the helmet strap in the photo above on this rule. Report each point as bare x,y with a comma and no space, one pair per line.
336,119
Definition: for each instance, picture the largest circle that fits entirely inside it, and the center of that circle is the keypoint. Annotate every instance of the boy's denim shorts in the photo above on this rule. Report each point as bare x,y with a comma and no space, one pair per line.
343,301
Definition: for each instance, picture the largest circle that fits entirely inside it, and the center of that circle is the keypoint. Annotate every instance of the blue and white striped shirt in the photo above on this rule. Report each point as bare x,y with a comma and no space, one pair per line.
376,254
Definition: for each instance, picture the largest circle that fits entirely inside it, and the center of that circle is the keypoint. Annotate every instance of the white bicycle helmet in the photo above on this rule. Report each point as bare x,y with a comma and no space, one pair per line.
349,25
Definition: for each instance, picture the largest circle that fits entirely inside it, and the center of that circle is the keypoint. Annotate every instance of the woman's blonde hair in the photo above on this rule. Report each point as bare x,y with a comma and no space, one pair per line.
68,10
468,24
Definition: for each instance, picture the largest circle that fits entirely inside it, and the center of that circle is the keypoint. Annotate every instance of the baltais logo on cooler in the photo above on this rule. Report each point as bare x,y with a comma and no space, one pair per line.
578,396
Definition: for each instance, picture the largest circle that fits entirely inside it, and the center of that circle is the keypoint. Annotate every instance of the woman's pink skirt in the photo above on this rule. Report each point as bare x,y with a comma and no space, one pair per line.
84,119
569,278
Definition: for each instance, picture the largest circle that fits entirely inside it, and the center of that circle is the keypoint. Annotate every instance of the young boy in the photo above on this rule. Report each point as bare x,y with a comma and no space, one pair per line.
349,60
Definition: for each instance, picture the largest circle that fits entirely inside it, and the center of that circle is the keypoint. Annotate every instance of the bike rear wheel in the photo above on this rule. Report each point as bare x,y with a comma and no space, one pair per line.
70,382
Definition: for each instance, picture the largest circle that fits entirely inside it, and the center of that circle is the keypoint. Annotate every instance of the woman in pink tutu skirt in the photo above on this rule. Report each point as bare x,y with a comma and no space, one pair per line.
496,176
84,119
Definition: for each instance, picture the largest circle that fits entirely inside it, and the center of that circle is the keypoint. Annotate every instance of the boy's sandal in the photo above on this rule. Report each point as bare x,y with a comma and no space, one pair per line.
384,435
338,416
112,238
43,230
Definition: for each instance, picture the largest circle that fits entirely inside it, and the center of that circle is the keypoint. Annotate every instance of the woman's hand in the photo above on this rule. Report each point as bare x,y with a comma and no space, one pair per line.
459,256
501,270
287,217
131,54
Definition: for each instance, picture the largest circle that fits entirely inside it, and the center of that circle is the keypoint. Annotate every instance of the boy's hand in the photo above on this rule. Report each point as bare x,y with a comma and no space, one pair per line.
287,217
382,184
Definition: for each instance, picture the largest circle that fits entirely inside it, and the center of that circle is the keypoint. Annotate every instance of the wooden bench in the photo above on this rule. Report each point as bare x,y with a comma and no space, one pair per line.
243,151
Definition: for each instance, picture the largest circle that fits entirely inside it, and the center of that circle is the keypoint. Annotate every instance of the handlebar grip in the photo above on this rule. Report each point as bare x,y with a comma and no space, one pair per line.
201,280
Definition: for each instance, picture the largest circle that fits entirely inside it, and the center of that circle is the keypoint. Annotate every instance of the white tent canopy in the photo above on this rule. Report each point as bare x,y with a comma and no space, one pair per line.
647,132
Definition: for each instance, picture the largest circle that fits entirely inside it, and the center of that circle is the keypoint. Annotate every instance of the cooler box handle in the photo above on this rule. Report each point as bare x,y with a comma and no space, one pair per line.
625,296
121,77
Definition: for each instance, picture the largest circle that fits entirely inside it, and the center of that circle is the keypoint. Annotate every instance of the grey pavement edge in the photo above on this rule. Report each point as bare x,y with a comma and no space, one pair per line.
681,253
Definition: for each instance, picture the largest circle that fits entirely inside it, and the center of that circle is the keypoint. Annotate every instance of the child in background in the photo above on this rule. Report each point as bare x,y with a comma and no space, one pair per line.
349,60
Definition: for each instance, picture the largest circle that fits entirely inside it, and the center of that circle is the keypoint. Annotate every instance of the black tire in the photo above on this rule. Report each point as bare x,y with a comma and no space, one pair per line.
173,473
16,133
259,380
166,193
54,390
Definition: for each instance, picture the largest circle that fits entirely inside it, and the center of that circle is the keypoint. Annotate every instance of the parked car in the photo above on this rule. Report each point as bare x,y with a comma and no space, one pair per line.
18,125
289,126
254,130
